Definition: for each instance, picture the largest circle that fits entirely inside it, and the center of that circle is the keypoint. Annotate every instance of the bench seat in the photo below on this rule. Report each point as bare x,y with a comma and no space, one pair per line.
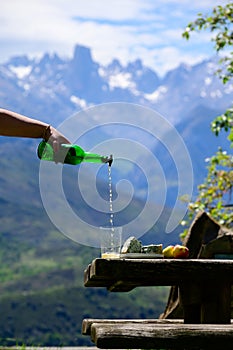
157,334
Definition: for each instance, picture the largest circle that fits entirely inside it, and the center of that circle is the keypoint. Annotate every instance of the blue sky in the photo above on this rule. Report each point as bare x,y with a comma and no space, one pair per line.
124,29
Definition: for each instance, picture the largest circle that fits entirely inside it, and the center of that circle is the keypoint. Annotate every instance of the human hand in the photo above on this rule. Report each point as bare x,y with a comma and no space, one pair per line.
55,138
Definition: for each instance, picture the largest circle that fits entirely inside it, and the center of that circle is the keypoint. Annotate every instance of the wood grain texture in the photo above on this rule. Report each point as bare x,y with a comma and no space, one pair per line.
88,322
165,336
156,272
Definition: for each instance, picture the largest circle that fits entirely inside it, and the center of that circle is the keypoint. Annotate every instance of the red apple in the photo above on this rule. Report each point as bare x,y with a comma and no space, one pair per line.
180,252
168,251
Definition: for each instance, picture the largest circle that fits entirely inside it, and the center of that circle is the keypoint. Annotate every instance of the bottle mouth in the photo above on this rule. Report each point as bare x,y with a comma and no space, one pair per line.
110,160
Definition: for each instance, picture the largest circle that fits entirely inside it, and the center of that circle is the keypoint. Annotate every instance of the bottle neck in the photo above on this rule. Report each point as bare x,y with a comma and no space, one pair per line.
96,158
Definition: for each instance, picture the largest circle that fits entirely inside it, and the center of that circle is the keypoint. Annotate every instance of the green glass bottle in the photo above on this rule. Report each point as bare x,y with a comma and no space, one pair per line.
70,154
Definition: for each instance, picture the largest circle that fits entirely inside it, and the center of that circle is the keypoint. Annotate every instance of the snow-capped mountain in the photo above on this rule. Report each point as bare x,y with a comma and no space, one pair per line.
54,87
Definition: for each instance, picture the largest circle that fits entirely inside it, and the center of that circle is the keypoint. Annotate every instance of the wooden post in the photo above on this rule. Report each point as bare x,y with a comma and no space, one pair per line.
190,298
208,302
216,303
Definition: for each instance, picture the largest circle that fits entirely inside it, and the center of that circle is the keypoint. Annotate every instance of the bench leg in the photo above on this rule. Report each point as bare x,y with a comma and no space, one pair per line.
206,303
216,303
190,299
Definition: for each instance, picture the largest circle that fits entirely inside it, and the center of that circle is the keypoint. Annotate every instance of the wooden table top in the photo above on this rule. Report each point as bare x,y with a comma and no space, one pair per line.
126,274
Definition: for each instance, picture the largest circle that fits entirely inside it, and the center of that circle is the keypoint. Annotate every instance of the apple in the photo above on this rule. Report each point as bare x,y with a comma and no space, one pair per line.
180,252
168,251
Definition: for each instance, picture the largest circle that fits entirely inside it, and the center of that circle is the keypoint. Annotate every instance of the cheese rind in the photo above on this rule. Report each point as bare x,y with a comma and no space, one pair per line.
131,245
153,248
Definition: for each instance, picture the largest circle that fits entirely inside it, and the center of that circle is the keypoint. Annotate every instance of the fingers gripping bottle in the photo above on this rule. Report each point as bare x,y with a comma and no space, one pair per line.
70,154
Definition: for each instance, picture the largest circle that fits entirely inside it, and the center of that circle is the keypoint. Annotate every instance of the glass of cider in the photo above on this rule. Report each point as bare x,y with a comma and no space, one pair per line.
110,242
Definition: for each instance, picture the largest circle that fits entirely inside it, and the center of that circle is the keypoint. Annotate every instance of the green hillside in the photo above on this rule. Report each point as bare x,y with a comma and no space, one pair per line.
42,299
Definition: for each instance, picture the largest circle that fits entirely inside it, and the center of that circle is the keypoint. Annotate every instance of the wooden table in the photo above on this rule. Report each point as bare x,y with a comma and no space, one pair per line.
204,287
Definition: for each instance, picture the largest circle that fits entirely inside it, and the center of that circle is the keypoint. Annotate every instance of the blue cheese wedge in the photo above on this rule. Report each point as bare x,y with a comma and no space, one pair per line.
152,249
131,245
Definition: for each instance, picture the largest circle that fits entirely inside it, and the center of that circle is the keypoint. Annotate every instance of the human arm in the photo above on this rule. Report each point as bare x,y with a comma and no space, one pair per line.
17,125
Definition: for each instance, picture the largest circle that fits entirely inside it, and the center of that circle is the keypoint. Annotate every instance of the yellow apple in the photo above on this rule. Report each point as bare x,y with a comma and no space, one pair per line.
168,251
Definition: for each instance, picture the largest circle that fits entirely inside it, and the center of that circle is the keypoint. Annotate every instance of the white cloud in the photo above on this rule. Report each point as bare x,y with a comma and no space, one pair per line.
206,4
123,29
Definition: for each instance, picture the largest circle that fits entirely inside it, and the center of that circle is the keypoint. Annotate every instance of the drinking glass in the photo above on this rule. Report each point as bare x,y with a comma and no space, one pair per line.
110,242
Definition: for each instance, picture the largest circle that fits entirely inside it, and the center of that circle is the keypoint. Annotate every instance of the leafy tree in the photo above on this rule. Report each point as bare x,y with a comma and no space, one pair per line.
214,195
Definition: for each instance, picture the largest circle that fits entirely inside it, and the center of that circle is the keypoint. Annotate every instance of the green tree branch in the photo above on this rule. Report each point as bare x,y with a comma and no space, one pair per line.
214,195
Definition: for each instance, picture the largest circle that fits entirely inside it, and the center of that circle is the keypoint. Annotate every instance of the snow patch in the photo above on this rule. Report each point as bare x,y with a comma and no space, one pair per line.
21,71
229,89
212,68
208,81
121,80
216,94
157,94
203,93
25,86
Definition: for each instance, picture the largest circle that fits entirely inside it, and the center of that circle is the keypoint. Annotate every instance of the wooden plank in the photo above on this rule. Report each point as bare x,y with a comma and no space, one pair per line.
87,322
87,275
92,282
165,336
157,272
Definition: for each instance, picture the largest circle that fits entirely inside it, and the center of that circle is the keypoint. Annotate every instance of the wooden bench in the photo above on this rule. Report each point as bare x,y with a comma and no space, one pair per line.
157,334
206,239
198,313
